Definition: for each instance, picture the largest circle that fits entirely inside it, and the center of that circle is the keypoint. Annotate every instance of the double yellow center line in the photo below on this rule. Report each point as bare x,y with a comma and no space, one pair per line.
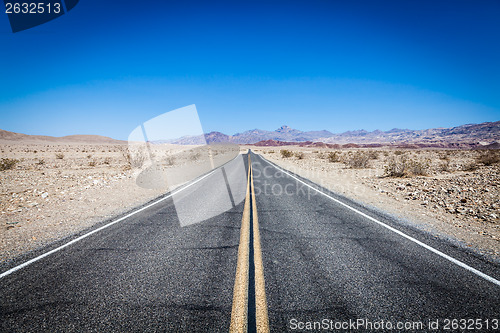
247,317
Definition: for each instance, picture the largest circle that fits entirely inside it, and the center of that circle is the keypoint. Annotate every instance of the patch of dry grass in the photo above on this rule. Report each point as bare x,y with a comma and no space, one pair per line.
358,160
285,153
489,157
334,156
403,166
8,163
300,155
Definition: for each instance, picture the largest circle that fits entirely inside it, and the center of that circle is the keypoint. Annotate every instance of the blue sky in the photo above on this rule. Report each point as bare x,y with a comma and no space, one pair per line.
107,66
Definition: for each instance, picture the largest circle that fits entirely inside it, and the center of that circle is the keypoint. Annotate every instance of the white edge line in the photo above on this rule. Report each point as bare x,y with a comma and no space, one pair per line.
29,262
439,253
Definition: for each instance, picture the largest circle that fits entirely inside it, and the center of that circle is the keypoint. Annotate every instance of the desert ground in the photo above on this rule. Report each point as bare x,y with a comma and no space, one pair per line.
454,194
49,191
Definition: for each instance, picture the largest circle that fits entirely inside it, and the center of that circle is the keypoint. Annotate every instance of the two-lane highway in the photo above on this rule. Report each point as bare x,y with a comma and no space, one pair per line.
323,258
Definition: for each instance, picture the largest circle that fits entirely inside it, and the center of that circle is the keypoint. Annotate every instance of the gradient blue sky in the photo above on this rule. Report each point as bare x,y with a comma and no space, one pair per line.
107,66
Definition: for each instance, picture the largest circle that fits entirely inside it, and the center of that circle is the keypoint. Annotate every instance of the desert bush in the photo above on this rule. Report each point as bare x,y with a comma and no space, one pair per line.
285,153
419,168
8,163
133,160
170,160
93,163
373,154
89,156
194,156
470,166
300,155
444,156
396,167
445,166
41,161
334,156
489,157
398,152
358,160
107,161
59,156
402,166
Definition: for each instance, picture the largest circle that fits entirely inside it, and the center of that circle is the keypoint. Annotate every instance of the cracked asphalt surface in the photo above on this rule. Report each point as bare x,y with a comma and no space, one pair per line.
321,261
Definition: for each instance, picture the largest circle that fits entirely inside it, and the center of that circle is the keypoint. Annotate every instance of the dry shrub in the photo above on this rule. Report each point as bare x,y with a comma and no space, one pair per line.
445,166
402,166
373,155
285,153
444,156
470,166
334,156
107,160
133,160
8,163
300,155
419,168
92,163
489,157
358,160
170,160
59,156
195,156
398,152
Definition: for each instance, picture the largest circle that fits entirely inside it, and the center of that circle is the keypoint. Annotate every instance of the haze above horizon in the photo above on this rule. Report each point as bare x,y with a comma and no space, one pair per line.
105,68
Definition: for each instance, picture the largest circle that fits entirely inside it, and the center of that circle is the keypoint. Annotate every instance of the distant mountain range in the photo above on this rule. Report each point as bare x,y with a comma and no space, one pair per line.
284,133
471,135
12,137
484,133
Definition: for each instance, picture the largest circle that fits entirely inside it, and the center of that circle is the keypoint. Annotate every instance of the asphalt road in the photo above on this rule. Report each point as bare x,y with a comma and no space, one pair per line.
322,261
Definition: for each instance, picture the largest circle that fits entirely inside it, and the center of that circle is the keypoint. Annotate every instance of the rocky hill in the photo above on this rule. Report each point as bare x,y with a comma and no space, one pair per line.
486,133
465,135
12,137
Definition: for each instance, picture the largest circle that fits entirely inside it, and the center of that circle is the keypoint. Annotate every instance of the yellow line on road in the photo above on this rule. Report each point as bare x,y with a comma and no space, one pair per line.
239,314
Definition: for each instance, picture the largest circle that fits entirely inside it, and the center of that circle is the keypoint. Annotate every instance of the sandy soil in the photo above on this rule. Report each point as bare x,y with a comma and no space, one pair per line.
460,205
55,190
47,197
